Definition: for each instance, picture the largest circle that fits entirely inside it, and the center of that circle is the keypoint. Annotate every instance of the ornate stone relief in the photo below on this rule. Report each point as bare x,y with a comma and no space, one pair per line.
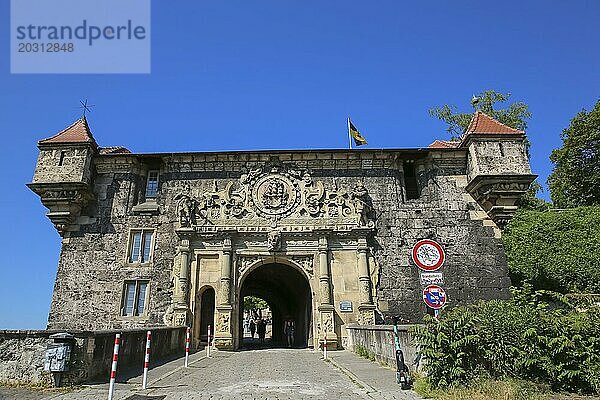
274,240
274,196
225,291
179,319
325,323
306,262
63,200
499,195
223,322
246,261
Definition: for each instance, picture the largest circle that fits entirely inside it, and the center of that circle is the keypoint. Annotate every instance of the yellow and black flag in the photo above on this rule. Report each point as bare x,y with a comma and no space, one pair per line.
355,134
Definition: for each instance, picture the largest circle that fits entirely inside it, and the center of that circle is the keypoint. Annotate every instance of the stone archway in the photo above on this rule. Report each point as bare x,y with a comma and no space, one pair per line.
205,314
288,293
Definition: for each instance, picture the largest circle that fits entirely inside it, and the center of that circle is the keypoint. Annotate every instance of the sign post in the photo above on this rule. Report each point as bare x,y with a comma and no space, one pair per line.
187,346
113,369
146,360
208,344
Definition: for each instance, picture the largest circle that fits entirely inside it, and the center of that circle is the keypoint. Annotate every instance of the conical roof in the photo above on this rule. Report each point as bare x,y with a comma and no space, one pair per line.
481,123
78,132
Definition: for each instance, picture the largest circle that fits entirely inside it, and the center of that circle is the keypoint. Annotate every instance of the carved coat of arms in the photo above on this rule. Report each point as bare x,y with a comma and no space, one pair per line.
274,193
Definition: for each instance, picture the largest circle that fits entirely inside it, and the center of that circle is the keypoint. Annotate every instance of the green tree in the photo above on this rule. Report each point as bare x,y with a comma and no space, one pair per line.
254,303
514,115
575,178
555,250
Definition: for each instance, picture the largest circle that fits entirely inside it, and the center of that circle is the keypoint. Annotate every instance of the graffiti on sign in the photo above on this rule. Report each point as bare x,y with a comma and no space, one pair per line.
428,255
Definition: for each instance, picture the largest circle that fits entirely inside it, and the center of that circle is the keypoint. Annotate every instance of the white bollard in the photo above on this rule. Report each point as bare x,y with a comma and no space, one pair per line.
187,346
113,369
325,346
208,344
146,359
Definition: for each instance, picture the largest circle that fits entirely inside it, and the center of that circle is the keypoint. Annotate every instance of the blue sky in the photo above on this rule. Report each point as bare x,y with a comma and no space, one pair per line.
235,75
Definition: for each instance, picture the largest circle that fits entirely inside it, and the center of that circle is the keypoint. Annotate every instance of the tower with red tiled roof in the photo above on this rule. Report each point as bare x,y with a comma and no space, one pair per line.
498,169
63,174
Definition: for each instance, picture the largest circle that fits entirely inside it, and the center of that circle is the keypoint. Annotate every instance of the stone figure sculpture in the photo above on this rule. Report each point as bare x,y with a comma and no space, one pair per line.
186,209
274,240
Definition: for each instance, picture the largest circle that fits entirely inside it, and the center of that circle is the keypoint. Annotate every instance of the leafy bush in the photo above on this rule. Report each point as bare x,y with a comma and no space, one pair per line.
555,250
364,352
524,338
485,389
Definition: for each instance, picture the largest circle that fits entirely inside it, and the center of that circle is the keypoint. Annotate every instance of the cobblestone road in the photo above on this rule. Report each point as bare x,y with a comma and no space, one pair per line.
258,374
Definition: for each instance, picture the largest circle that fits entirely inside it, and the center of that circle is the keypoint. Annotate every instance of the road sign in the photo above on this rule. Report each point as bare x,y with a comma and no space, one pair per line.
428,255
432,278
434,296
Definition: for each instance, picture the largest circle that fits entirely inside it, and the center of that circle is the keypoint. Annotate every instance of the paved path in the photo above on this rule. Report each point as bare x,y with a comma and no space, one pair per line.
257,374
377,382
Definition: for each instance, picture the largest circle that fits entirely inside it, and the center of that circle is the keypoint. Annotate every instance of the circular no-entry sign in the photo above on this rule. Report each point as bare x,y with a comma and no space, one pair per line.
428,255
434,296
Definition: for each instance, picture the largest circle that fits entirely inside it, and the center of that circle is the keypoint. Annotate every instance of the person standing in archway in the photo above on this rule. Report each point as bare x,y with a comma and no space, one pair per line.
289,330
261,329
252,328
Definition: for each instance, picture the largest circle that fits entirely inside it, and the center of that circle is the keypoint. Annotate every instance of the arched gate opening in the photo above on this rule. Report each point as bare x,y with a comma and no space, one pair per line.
205,316
288,294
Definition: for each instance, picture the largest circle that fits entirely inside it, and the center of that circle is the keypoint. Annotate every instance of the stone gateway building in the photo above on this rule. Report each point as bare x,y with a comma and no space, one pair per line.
324,236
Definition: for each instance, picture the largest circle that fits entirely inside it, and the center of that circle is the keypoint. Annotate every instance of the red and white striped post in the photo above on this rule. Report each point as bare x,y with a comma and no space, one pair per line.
208,344
113,369
325,346
146,359
187,346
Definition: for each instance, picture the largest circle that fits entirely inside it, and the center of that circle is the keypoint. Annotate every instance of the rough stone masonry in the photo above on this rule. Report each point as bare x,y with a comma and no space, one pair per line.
324,236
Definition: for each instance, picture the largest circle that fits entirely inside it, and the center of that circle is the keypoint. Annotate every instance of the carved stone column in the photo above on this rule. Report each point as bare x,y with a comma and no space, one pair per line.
184,260
223,326
366,308
326,308
324,279
225,291
181,287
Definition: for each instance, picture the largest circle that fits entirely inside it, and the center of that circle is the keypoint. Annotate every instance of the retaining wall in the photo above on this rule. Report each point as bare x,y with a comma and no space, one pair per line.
378,340
22,354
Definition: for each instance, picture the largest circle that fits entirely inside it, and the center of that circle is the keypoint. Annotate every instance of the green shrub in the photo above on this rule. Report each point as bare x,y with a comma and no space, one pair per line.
555,250
524,338
484,389
364,352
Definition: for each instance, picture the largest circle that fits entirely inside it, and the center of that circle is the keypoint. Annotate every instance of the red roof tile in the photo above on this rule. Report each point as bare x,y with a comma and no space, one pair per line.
482,123
114,150
78,132
444,144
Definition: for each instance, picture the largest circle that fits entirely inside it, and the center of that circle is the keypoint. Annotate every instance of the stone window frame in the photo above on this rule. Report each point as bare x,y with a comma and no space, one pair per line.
129,248
146,191
144,314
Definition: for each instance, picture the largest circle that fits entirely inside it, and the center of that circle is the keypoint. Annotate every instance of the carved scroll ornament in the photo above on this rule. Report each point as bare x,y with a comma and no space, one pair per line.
274,193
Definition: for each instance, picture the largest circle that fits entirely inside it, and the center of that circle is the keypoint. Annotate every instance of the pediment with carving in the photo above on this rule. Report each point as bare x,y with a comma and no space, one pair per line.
275,195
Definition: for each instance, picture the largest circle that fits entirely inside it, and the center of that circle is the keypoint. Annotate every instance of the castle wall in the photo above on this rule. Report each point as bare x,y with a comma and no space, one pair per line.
93,263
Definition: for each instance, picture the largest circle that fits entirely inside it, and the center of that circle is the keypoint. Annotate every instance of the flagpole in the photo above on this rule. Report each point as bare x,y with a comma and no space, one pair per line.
349,136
